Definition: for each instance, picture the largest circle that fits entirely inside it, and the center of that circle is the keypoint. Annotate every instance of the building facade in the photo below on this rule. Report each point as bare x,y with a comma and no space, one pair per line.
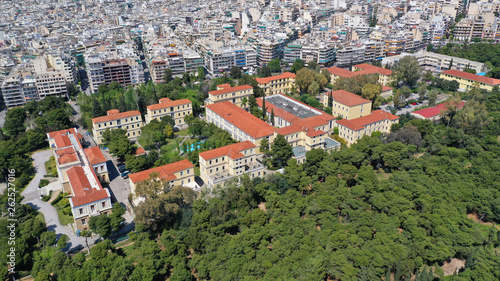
177,109
235,95
278,84
377,121
221,164
131,121
347,105
468,81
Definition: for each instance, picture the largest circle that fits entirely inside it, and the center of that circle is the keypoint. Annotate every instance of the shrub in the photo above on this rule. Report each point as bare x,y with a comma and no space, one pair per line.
58,198
47,197
43,183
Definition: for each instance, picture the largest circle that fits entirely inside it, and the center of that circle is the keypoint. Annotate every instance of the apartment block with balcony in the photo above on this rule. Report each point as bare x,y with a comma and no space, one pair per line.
177,109
235,95
51,83
219,165
131,121
278,84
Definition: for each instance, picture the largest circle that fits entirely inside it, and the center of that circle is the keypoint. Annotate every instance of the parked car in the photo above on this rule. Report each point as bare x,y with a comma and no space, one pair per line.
122,168
125,174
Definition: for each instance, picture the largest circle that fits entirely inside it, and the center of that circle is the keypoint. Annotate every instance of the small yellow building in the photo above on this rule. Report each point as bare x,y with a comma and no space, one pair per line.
468,81
179,173
178,109
279,84
377,121
221,164
131,121
234,95
347,105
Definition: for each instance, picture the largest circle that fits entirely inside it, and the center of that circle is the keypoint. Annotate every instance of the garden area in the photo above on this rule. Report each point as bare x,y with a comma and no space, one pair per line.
50,167
61,203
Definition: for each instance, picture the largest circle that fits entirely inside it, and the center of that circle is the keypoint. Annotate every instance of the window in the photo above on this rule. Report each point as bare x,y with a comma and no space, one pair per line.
104,204
92,208
182,173
83,222
80,211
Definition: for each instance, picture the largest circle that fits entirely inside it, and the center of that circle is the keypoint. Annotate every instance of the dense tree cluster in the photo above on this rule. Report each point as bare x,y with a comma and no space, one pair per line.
481,52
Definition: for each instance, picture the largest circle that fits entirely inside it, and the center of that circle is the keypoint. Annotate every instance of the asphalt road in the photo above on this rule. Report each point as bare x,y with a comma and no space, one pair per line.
32,198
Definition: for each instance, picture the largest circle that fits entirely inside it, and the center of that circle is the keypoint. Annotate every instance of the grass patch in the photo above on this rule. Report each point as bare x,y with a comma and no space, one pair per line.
182,132
196,171
50,167
47,197
43,182
64,211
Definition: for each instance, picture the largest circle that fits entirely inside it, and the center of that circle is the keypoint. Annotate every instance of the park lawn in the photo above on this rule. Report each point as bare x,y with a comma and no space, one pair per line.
63,208
196,171
50,167
182,132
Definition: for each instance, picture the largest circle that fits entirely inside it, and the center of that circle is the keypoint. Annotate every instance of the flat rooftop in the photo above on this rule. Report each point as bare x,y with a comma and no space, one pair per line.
292,106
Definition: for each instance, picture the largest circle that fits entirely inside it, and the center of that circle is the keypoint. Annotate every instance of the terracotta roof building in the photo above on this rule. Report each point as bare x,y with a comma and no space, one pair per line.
131,121
234,95
384,75
432,113
221,164
468,80
278,84
180,173
239,123
177,109
347,105
377,121
80,172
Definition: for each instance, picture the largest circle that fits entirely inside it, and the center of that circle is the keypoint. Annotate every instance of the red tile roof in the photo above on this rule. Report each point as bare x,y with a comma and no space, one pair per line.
385,88
67,158
243,120
116,116
340,72
232,150
166,104
434,111
164,100
375,69
347,98
96,195
94,155
62,141
140,151
61,132
359,123
473,77
166,172
277,77
78,181
226,90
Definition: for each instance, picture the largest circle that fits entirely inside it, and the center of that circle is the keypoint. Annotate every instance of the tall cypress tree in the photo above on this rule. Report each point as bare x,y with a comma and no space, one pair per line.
272,117
264,107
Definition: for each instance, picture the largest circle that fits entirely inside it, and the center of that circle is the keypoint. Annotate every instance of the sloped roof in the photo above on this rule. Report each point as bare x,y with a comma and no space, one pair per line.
434,111
359,123
243,120
94,155
232,150
166,104
273,78
226,90
116,116
166,172
347,98
473,77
